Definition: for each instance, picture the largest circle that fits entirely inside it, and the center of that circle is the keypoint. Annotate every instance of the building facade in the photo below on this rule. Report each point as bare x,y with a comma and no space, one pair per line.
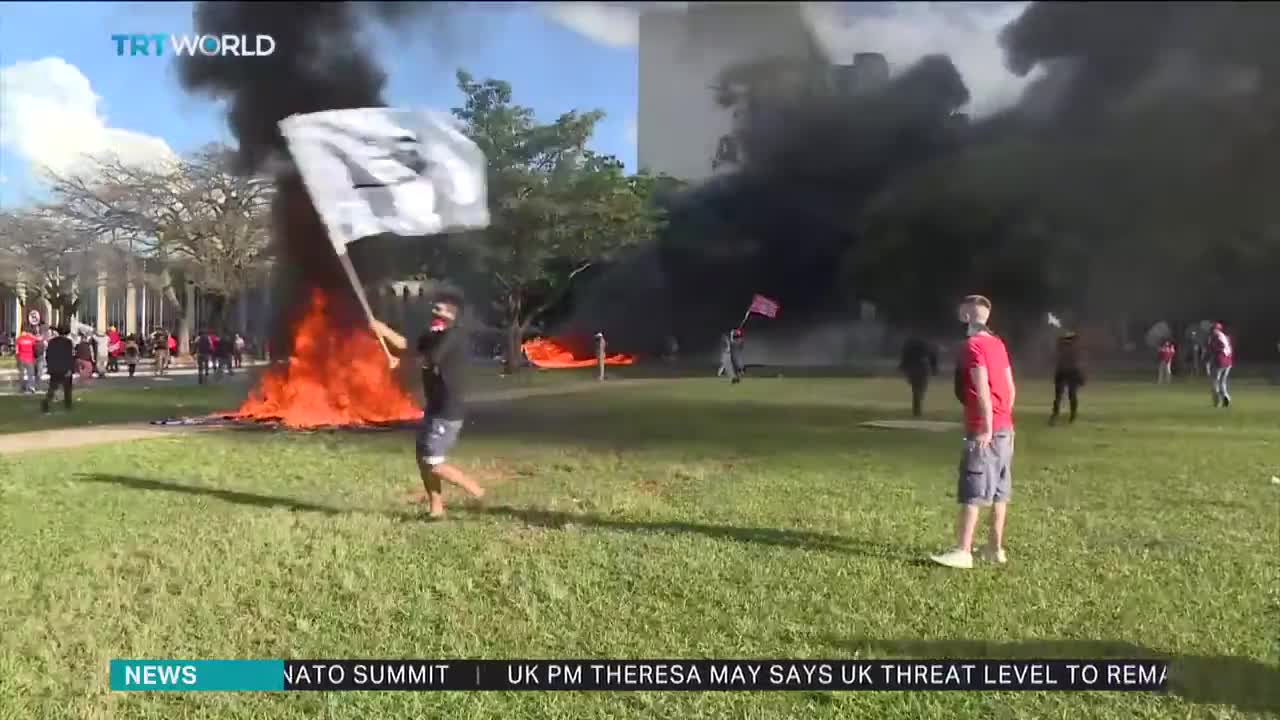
706,73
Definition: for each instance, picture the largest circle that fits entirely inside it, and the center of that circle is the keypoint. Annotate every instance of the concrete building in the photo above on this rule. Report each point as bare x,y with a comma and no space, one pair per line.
705,73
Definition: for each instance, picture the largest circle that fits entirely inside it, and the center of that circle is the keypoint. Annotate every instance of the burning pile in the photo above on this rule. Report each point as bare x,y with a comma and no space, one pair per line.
335,376
552,353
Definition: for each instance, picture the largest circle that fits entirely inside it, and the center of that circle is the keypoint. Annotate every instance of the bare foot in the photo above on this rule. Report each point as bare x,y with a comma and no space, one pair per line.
474,490
436,513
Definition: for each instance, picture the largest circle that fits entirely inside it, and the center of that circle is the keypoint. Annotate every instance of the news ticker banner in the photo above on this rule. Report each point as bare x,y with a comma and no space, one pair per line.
621,675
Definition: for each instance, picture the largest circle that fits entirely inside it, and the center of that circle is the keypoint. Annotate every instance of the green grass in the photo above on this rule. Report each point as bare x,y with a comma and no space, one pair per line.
686,519
143,399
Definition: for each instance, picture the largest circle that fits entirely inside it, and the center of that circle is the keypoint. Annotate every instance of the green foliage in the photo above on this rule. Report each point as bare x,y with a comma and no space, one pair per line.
556,206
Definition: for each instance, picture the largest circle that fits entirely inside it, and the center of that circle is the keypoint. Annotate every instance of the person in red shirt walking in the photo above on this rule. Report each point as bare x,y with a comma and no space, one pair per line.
984,384
25,348
1221,358
1167,352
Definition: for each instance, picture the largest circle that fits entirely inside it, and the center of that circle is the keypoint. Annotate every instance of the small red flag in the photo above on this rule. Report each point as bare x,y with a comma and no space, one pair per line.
762,305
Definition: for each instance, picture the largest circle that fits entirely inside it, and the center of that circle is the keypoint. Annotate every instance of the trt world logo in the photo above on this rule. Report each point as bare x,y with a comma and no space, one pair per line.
153,45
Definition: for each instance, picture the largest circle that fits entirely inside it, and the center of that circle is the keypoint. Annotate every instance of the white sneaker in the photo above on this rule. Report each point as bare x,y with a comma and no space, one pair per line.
957,558
998,557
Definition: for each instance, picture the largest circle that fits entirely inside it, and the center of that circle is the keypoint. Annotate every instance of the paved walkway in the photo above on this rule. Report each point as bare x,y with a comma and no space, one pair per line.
65,438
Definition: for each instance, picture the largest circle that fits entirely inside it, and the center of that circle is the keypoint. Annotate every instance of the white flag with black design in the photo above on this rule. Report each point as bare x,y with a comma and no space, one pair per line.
371,171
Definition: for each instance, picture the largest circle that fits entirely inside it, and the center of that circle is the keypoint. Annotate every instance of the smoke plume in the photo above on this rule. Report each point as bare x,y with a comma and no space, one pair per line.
1131,179
322,61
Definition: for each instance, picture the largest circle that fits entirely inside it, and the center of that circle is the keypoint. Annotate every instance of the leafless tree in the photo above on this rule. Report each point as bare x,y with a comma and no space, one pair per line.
48,254
205,224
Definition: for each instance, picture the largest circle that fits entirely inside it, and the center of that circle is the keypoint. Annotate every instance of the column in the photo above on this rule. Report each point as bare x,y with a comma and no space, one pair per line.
20,289
101,321
131,308
188,320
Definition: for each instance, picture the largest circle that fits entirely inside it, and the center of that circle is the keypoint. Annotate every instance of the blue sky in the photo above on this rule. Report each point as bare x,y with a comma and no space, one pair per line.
551,67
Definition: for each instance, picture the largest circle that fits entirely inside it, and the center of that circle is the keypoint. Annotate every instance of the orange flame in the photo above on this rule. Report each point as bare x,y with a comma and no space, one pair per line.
550,353
334,377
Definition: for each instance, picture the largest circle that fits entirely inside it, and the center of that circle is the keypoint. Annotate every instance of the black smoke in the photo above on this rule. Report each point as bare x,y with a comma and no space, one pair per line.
1131,181
322,61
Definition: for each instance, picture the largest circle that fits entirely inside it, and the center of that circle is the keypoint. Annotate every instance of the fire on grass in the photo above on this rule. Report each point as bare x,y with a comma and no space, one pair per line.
558,353
334,377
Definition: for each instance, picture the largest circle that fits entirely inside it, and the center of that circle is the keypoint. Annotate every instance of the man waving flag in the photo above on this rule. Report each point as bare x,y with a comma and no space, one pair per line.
372,171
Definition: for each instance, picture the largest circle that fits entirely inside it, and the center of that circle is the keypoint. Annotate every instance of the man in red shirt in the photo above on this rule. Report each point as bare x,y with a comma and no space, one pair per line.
984,384
26,351
1221,358
1168,351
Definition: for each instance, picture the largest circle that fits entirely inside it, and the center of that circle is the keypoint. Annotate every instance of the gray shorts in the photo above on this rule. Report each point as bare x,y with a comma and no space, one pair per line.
435,439
986,475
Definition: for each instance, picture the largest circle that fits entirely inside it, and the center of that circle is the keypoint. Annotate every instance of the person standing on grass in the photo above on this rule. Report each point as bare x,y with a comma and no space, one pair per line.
204,356
601,346
132,353
919,362
225,350
1068,377
984,383
238,350
114,348
25,349
1167,352
160,347
442,352
101,353
1221,358
84,357
60,358
43,335
728,359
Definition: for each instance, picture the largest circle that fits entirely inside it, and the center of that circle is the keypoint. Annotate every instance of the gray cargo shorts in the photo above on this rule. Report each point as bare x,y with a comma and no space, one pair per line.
436,438
986,474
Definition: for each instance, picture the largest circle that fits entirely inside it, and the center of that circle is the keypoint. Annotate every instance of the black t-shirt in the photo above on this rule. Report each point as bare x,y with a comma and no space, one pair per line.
918,358
60,355
204,345
443,357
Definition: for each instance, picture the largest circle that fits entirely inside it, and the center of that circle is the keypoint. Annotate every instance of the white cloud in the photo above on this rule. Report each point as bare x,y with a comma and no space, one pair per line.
967,32
607,24
49,115
902,32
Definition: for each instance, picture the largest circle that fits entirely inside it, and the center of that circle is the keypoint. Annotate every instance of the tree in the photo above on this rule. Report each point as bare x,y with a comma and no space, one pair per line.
193,214
48,254
556,207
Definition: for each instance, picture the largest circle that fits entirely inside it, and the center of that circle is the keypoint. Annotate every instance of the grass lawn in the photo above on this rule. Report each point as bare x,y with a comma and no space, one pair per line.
683,519
144,398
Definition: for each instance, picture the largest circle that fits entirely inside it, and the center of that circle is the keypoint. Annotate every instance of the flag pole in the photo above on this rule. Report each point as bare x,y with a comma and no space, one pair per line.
745,316
364,303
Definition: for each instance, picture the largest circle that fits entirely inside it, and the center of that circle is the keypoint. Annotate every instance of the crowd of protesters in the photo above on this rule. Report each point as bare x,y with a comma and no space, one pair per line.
63,353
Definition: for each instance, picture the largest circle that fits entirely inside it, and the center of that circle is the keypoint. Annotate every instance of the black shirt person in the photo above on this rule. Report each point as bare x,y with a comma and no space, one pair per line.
442,356
1068,376
60,359
919,361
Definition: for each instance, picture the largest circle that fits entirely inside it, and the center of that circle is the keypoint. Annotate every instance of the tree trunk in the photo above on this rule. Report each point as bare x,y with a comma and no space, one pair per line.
513,354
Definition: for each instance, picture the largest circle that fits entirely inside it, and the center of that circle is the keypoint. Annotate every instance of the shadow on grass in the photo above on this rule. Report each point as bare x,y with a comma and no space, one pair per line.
231,496
746,427
777,537
1245,683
